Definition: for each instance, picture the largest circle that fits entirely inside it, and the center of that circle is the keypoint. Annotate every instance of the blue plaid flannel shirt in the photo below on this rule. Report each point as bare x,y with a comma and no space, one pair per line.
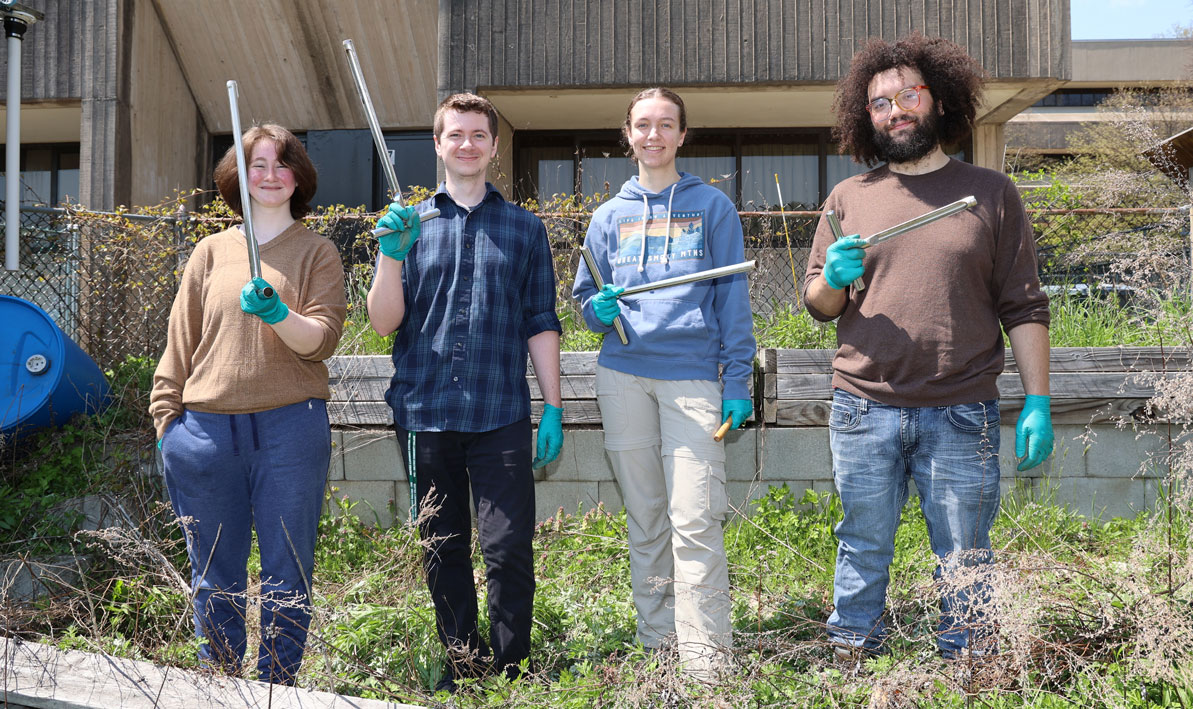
478,285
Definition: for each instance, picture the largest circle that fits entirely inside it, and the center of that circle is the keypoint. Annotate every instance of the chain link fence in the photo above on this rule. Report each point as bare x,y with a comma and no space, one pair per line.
108,279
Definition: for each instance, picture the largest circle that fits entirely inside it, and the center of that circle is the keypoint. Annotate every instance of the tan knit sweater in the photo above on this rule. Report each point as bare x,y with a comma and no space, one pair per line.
219,359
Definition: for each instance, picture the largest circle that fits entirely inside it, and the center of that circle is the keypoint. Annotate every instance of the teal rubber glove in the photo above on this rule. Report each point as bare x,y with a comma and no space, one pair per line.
159,444
843,262
405,225
1033,432
605,305
738,409
253,301
550,438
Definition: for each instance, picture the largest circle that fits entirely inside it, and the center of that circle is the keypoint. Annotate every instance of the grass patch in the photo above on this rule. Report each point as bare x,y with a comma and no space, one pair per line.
1075,599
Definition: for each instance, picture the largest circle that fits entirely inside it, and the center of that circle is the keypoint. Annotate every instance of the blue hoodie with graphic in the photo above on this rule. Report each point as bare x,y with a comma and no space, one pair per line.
691,331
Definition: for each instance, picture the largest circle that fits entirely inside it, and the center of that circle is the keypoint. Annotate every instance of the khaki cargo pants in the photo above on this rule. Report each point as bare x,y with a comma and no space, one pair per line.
658,435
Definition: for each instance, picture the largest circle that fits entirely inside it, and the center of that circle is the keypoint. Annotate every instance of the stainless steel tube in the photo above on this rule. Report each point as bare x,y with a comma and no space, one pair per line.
387,166
927,218
742,267
242,174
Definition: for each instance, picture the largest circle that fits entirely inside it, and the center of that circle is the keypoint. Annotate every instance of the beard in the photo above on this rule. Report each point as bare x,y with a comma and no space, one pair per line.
921,141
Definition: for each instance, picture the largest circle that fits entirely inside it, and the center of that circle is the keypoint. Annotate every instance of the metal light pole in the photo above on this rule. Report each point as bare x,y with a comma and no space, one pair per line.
17,19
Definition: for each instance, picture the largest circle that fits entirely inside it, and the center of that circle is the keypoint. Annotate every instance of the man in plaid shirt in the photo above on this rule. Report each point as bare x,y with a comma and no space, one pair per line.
470,297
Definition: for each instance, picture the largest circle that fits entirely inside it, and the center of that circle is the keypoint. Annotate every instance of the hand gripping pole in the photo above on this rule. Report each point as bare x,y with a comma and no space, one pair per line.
600,283
387,166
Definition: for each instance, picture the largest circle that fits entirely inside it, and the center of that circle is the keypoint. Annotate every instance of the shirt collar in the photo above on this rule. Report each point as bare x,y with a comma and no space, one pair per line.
491,193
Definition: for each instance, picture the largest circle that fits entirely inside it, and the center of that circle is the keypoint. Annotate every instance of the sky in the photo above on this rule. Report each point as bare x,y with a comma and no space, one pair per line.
1128,19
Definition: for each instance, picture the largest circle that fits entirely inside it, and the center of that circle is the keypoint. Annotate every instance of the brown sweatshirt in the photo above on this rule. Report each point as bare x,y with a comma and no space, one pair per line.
926,330
219,359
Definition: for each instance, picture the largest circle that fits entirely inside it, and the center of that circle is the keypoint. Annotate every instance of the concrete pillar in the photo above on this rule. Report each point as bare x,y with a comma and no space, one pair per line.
989,144
106,136
501,170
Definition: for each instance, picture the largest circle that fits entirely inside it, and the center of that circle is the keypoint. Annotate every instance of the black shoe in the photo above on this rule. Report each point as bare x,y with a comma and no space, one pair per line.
447,683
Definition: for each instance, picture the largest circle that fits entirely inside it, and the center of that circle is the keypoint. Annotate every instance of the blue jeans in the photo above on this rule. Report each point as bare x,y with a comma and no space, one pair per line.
229,473
951,452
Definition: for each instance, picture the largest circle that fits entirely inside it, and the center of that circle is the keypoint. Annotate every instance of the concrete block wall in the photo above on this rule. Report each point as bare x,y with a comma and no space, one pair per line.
1100,474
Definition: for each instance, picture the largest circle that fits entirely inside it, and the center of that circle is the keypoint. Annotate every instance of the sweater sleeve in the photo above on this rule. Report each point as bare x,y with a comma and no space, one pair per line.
182,339
731,303
816,258
1016,280
325,302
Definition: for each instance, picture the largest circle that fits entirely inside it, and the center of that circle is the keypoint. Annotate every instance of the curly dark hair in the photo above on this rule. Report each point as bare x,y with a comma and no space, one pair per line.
953,77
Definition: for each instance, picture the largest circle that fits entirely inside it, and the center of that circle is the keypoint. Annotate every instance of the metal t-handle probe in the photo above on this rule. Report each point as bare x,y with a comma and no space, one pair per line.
835,224
242,175
387,166
916,222
600,283
903,227
696,277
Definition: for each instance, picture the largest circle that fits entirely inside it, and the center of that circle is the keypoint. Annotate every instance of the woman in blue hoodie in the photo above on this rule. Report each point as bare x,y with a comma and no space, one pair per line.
684,371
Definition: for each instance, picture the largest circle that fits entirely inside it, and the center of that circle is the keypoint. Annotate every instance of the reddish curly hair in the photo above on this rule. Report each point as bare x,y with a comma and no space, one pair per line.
954,79
290,153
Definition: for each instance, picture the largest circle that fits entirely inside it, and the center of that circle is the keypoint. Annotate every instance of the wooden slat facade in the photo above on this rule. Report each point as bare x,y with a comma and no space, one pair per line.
55,51
573,43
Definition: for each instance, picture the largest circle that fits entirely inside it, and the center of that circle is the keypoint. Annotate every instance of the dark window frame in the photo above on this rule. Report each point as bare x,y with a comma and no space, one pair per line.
525,179
57,150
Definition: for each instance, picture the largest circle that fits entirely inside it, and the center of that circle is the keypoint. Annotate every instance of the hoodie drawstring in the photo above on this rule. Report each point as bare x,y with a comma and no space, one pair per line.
666,229
645,221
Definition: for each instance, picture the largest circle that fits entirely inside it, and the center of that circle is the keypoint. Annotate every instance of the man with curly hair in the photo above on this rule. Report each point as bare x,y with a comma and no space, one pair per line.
920,347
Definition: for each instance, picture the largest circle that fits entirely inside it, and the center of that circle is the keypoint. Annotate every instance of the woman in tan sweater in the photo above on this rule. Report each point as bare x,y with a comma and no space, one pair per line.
240,407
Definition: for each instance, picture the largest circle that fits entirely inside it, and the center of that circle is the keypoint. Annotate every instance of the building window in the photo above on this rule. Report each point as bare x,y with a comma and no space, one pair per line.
1068,98
414,161
797,164
411,152
740,163
49,174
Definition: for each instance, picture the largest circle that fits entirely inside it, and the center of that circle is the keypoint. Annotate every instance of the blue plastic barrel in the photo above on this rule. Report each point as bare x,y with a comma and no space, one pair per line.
45,378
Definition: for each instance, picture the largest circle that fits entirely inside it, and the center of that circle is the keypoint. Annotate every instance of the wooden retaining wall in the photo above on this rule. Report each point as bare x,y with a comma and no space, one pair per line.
1114,473
1089,384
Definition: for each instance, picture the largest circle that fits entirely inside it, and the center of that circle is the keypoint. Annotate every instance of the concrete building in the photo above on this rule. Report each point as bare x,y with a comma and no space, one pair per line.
1098,69
124,101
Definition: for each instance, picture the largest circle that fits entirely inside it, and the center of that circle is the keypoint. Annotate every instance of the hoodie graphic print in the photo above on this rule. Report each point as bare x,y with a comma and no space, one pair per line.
702,330
679,237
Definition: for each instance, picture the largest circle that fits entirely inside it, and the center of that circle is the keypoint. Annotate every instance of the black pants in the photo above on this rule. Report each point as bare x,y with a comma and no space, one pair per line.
496,465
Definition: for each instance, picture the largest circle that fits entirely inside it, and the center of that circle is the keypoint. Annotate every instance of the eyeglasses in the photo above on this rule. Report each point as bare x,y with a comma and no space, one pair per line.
908,99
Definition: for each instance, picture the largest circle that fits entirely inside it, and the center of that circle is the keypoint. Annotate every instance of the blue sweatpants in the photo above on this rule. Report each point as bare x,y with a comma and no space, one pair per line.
228,473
